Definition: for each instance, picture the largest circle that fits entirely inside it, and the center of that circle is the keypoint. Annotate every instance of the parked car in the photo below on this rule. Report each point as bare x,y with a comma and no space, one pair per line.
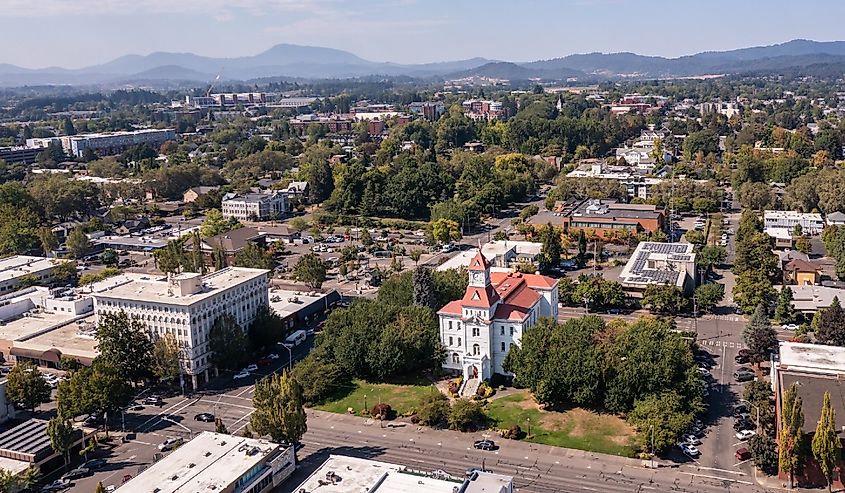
690,450
272,356
484,445
251,368
153,400
790,327
79,472
264,361
743,375
690,439
744,424
169,444
57,485
95,464
204,417
241,374
744,435
742,454
743,356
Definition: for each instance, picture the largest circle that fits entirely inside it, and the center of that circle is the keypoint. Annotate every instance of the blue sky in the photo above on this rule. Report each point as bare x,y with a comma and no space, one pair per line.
76,33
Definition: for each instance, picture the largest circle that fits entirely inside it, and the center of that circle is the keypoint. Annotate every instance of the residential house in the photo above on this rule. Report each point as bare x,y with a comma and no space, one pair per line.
782,237
298,190
801,272
808,298
835,219
231,243
503,255
277,232
192,194
133,226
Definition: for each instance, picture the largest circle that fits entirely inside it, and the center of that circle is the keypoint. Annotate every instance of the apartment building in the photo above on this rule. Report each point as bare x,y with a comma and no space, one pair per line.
104,143
186,306
811,223
254,206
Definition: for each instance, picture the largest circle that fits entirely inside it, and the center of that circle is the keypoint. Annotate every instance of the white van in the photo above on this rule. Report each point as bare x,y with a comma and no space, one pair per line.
296,338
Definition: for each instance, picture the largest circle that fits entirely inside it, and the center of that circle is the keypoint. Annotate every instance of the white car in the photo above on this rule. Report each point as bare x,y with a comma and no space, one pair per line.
690,439
792,327
690,450
169,444
744,435
273,356
241,374
251,368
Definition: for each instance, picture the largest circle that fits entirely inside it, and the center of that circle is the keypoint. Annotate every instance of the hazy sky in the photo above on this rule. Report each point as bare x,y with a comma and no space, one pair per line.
76,33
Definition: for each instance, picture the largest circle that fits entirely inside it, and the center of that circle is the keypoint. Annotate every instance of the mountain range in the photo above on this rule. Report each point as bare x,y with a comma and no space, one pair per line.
309,62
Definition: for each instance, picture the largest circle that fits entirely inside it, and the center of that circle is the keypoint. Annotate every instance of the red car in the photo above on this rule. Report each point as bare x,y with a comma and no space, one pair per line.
742,454
264,361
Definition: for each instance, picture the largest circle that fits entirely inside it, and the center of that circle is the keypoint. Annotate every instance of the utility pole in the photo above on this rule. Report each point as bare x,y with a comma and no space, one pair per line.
695,313
652,446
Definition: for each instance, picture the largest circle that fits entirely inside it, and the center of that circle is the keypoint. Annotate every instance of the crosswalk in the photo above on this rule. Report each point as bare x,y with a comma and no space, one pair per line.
725,318
719,343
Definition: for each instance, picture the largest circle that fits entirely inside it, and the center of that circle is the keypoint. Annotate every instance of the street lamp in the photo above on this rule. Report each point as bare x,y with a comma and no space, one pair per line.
586,305
290,356
695,313
652,445
529,428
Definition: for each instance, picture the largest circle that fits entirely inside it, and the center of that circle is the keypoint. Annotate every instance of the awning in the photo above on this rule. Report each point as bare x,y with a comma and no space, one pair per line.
51,355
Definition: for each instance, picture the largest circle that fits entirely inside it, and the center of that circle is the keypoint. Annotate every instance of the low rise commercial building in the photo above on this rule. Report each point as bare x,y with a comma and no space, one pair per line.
22,154
186,306
503,255
605,218
219,463
18,268
296,308
254,206
345,474
231,243
814,369
671,264
810,222
28,445
808,298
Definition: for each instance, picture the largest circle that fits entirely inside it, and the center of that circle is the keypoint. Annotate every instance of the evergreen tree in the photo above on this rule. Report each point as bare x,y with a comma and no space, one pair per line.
785,313
551,247
68,127
219,427
424,288
831,329
759,335
582,244
279,411
826,444
790,456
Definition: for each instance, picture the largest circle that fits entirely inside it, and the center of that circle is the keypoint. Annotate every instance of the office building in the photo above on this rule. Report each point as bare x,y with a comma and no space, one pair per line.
105,143
671,264
608,219
25,155
254,206
345,474
811,223
503,255
214,462
186,306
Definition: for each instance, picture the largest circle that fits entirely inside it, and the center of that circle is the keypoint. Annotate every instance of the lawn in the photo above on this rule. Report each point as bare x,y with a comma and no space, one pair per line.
402,395
576,428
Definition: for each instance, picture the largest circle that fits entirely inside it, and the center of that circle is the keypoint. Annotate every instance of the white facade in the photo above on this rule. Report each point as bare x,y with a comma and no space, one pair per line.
108,142
14,269
254,206
187,305
479,330
811,223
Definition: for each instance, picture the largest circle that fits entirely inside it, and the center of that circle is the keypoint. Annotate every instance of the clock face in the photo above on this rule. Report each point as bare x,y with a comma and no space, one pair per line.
477,277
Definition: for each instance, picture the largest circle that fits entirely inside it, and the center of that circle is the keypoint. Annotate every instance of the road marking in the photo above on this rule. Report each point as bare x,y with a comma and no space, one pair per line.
738,473
741,463
732,480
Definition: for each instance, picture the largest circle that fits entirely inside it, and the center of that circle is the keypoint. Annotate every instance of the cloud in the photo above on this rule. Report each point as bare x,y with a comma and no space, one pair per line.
215,8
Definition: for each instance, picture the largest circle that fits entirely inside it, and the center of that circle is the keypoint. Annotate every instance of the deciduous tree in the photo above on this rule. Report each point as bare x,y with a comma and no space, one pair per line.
228,344
791,453
826,444
831,329
124,343
311,270
26,387
165,363
662,298
279,409
62,436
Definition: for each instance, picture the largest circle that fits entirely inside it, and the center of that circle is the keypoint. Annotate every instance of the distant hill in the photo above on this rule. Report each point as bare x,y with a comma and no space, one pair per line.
310,62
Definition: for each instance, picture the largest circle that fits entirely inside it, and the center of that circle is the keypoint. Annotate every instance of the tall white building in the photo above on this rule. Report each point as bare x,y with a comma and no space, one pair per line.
479,329
187,305
254,206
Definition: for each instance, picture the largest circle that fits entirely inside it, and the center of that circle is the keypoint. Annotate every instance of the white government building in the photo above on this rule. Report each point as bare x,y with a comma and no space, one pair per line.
254,206
479,329
186,306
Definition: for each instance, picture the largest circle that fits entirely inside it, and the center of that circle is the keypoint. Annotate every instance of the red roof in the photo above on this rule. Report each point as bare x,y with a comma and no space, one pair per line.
479,262
451,308
506,311
480,298
535,281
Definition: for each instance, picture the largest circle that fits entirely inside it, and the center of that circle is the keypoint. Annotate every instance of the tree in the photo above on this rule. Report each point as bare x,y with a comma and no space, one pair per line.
582,245
792,435
62,436
415,255
122,341
445,230
279,411
227,342
267,329
707,296
751,290
171,258
424,288
831,328
785,312
254,257
550,249
433,409
77,243
660,419
100,488
826,444
165,365
804,245
219,427
320,181
216,224
320,378
366,238
311,270
67,126
48,240
26,387
755,196
664,298
709,256
759,335
764,452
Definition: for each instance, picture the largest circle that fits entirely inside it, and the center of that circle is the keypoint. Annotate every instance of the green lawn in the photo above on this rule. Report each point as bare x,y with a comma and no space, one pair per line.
576,428
403,395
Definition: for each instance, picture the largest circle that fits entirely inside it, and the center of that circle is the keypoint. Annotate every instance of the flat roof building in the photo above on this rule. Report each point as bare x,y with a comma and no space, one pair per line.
219,463
671,264
187,305
344,474
254,206
607,218
107,142
809,298
810,222
17,267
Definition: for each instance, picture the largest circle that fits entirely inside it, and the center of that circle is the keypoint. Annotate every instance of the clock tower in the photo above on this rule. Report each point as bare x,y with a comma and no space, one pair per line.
479,271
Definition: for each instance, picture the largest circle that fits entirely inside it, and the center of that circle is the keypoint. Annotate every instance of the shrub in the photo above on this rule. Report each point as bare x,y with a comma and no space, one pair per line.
433,409
513,433
381,411
484,390
465,415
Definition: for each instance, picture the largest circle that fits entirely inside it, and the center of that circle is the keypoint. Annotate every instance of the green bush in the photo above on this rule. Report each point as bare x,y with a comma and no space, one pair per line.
466,415
433,410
